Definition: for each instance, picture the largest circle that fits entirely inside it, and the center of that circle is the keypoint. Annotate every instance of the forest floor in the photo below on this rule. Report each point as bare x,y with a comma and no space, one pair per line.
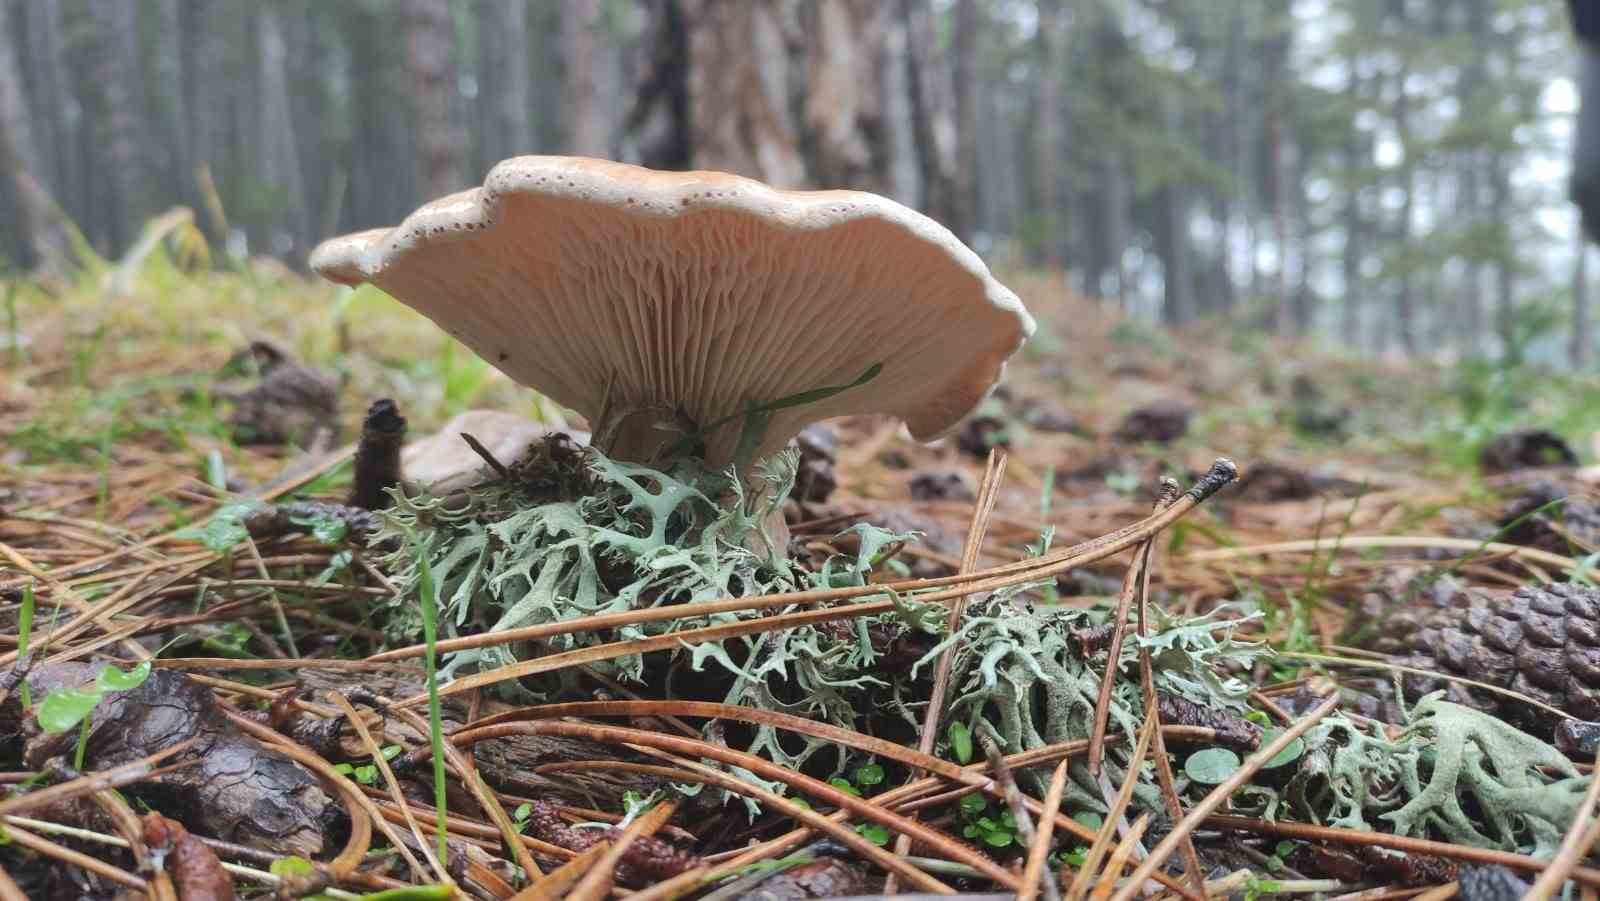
124,399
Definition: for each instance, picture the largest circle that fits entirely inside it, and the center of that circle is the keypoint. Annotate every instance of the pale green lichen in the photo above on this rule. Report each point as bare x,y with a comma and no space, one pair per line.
572,534
1453,772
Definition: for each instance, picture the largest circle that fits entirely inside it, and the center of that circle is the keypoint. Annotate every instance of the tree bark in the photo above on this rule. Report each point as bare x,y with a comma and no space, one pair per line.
279,156
583,103
1172,238
845,64
34,216
1049,160
441,143
656,129
969,28
504,82
739,89
929,84
1580,350
105,60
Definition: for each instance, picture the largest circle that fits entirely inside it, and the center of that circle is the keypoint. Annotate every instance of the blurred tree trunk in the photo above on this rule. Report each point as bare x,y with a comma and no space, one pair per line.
504,82
1118,196
905,174
441,144
657,123
1405,326
47,94
1172,230
932,115
1580,348
163,64
381,155
846,61
104,56
1469,165
584,106
280,159
34,215
1049,135
739,71
1274,57
969,28
1505,278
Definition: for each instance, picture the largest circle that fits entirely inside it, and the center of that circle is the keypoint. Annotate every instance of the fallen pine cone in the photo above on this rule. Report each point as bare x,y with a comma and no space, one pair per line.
1540,641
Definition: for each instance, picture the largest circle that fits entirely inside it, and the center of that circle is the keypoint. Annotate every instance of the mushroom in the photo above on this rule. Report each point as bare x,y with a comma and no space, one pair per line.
698,311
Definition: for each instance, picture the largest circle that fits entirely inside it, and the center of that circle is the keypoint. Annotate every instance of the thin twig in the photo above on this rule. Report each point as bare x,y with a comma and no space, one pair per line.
1036,871
1221,793
1579,840
988,491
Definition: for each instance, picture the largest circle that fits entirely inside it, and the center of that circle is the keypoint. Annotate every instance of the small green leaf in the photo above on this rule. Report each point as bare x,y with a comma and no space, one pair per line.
390,752
843,784
1090,819
870,774
292,866
325,529
522,812
64,708
1287,755
997,838
224,529
367,774
113,679
973,804
801,803
1211,766
876,833
961,742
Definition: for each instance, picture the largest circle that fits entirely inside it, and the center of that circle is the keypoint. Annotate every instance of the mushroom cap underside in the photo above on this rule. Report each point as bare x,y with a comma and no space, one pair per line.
648,298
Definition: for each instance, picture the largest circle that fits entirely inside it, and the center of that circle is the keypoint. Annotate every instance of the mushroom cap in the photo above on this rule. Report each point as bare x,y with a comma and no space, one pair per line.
654,299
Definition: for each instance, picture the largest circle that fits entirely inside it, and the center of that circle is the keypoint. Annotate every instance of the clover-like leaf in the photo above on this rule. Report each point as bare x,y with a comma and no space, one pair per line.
960,743
876,833
1287,755
1211,766
64,708
113,679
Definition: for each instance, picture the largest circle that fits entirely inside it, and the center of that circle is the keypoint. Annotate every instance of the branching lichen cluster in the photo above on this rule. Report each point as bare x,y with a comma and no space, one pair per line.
569,533
1453,772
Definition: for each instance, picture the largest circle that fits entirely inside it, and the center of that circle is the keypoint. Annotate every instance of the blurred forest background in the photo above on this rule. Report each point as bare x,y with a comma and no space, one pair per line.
1388,174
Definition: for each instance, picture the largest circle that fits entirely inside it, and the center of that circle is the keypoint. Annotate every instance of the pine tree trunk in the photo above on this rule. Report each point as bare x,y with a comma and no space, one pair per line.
280,158
1049,160
584,105
105,61
968,30
33,214
504,82
1581,349
656,128
1505,284
845,65
1172,240
739,89
441,143
932,114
